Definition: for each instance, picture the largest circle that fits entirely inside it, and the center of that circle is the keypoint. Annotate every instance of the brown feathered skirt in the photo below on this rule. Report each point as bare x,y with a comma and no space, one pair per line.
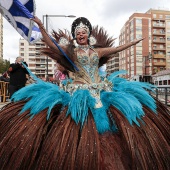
61,144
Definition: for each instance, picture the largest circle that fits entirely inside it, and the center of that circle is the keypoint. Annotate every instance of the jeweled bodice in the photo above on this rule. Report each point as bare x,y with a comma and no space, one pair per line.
88,68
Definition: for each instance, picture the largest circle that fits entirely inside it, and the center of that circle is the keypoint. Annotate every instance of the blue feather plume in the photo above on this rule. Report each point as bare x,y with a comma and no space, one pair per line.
41,96
79,105
126,103
126,96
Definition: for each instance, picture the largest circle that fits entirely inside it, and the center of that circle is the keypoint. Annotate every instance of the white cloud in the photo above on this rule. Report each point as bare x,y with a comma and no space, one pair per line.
110,14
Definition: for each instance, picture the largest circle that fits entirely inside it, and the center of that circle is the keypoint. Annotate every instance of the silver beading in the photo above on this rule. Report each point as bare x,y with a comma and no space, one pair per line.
94,89
81,25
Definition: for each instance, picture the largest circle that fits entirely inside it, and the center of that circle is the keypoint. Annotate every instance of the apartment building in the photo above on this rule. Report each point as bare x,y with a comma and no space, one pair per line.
1,36
153,53
40,65
113,64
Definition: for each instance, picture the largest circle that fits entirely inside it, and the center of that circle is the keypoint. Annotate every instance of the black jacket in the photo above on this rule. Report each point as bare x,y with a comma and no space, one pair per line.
17,74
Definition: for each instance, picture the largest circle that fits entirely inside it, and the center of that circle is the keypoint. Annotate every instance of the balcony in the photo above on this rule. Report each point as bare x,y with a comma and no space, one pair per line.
158,19
40,67
159,25
161,56
41,57
40,71
40,62
159,49
159,41
159,64
159,33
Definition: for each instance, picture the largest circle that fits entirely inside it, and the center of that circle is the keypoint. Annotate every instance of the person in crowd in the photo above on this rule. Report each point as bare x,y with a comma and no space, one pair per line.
61,74
90,124
30,80
5,77
17,75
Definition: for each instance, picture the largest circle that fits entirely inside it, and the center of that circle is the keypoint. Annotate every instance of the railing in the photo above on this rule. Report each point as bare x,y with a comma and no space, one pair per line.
163,94
4,91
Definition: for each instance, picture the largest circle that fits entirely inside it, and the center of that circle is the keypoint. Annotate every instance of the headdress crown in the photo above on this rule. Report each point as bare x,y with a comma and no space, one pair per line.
81,23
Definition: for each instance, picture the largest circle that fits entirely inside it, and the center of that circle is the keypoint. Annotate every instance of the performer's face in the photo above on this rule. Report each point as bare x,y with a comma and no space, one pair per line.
82,36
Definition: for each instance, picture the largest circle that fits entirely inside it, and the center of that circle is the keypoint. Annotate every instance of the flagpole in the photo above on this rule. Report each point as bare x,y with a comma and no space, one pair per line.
46,25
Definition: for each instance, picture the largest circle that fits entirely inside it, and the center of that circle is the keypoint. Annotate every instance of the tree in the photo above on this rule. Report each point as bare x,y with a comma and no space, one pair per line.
4,65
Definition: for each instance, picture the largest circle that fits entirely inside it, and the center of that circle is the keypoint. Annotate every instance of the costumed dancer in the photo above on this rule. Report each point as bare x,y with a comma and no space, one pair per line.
89,124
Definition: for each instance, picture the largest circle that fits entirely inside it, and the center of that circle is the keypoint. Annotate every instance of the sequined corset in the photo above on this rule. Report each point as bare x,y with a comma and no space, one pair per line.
88,68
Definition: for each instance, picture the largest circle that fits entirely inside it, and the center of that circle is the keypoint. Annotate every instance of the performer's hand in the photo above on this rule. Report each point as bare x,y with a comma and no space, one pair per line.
138,40
37,20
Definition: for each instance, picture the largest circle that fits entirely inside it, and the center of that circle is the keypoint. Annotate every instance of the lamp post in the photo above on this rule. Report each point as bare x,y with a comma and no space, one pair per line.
147,77
45,20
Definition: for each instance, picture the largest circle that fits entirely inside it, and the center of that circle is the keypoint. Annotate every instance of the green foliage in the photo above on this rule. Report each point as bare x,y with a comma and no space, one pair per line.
4,65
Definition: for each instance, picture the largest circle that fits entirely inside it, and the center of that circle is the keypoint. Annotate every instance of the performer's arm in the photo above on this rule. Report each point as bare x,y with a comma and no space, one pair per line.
113,50
45,35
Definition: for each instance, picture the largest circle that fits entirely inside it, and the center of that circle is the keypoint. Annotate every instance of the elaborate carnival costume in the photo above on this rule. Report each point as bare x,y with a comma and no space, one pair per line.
89,124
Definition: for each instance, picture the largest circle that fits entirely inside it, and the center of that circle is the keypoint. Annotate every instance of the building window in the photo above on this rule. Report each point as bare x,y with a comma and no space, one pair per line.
154,31
154,46
154,38
138,28
22,44
168,23
138,52
31,49
168,38
22,54
131,23
162,31
160,82
131,37
168,82
161,46
138,21
139,68
165,82
138,36
30,59
160,16
22,49
32,65
167,16
154,15
31,54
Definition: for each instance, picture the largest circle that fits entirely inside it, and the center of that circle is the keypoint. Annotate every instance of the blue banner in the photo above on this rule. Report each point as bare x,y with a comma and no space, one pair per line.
18,14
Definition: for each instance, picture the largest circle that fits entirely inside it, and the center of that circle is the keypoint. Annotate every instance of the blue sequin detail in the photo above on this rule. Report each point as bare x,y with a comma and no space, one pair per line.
89,63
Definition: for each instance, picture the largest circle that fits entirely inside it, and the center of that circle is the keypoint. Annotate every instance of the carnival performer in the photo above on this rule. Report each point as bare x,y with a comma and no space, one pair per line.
89,124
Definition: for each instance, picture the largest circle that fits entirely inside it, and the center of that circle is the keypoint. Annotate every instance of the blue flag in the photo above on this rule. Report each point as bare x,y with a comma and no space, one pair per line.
18,14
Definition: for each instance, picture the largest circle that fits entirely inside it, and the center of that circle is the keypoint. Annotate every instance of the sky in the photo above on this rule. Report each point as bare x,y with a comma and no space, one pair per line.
109,14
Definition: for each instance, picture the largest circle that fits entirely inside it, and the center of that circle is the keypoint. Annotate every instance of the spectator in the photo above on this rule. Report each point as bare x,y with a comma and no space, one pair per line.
5,77
61,74
17,75
30,80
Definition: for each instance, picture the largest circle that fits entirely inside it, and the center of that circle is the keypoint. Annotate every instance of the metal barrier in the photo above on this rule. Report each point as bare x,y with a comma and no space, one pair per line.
162,94
4,91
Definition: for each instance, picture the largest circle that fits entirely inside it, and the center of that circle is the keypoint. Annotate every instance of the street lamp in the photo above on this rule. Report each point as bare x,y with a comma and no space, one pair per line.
46,26
147,77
